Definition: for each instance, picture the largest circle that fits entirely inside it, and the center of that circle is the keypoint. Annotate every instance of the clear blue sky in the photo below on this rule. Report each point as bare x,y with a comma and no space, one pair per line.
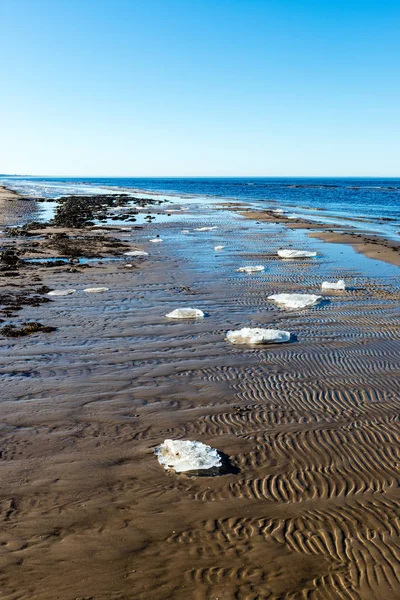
200,87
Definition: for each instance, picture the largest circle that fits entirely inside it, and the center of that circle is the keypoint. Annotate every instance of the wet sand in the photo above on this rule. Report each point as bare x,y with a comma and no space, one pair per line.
372,246
312,426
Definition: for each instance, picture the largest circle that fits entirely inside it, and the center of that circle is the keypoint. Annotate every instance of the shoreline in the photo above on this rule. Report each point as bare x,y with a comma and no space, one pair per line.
8,194
371,246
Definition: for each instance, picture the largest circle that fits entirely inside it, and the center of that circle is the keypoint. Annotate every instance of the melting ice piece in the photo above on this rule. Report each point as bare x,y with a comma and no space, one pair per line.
205,228
295,300
251,269
60,292
256,335
98,290
219,247
156,240
186,313
277,210
184,455
185,230
328,285
296,254
136,253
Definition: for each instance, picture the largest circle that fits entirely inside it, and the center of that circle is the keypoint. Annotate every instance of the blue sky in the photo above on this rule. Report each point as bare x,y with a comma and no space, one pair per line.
200,87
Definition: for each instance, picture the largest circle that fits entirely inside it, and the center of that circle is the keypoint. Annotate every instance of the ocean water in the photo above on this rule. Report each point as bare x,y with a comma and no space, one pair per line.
370,204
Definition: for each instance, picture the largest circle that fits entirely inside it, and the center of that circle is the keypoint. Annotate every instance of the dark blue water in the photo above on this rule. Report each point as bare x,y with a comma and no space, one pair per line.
372,202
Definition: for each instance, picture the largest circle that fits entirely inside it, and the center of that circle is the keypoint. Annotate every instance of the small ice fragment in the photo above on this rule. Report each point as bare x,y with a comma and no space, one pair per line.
251,269
277,210
136,253
184,455
256,335
185,230
60,292
205,228
219,247
96,290
186,313
129,265
156,240
295,300
328,285
296,254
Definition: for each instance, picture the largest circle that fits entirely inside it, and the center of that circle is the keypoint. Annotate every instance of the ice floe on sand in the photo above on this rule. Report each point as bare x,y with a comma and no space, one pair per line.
296,254
184,455
257,335
251,269
329,285
137,253
205,228
295,300
185,313
96,290
61,292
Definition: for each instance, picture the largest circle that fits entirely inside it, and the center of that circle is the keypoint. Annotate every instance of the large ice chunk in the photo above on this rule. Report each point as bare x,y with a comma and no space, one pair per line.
186,313
136,253
184,455
329,285
256,335
61,292
296,254
295,300
251,269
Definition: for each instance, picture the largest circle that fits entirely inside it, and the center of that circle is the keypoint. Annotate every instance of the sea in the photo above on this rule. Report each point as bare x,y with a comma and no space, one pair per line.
372,205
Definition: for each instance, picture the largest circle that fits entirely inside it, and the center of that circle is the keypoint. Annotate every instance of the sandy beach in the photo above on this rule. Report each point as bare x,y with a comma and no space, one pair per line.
310,509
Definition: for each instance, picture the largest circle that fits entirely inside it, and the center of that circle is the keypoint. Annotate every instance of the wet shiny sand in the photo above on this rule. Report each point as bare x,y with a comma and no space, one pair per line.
87,512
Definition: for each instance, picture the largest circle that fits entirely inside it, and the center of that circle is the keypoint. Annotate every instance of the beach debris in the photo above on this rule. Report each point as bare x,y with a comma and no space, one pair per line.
329,285
61,292
251,269
219,247
185,455
156,240
186,313
27,328
257,335
138,253
295,300
96,290
296,254
206,228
